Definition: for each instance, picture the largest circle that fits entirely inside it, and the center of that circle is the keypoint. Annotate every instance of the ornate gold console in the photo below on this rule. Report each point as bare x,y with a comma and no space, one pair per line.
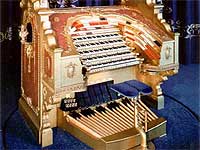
76,54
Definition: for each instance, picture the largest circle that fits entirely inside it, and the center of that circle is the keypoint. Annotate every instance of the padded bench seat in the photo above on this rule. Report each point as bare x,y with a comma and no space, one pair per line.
131,88
125,90
140,86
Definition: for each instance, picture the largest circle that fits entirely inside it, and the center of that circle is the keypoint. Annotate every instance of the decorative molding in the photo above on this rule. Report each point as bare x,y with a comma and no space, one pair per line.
76,87
71,70
29,55
23,33
44,93
45,120
29,102
168,52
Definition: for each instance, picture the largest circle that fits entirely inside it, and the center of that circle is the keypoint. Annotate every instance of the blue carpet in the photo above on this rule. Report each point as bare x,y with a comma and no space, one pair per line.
182,128
185,86
19,136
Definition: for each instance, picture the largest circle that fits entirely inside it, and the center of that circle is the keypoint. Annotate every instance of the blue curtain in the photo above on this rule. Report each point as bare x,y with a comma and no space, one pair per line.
96,2
184,16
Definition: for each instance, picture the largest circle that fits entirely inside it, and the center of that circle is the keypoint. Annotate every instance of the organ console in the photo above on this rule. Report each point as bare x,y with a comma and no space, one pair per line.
91,71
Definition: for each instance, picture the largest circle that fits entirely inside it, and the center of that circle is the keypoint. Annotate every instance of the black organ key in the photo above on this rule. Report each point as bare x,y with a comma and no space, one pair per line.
117,105
127,22
100,109
86,51
96,50
87,44
90,58
157,43
75,115
98,36
112,106
126,102
91,112
102,18
105,49
89,33
98,27
87,112
100,57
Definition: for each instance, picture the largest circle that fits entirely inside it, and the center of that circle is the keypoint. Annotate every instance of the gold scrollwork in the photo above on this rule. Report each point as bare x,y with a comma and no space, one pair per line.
45,92
29,102
22,90
23,33
167,52
29,55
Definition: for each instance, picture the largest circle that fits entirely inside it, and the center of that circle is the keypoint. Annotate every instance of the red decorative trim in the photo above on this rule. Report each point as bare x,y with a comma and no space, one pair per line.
77,24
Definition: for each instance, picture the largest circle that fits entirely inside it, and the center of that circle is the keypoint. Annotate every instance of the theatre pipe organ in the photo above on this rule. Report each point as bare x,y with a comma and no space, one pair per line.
89,70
